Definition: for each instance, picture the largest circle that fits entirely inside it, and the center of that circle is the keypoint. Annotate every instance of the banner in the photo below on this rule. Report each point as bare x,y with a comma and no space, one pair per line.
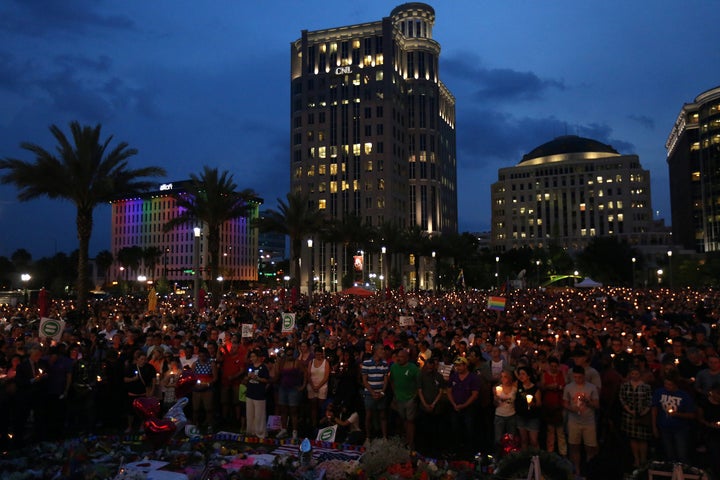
358,263
406,321
327,434
51,328
496,303
247,330
288,322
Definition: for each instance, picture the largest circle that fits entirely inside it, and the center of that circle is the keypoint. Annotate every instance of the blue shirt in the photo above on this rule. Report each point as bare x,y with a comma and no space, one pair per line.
376,372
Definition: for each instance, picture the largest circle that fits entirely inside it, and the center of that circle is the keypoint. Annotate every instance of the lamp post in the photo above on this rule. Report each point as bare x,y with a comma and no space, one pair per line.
25,277
434,271
311,273
670,271
196,266
633,271
537,272
383,251
141,280
659,275
165,269
497,272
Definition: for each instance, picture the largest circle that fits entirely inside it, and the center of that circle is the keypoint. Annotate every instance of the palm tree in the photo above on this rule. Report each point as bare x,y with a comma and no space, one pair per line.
104,260
84,171
297,219
416,242
211,199
151,255
130,259
353,235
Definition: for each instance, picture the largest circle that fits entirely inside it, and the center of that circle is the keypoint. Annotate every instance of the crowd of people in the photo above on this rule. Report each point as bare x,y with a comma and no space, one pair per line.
570,371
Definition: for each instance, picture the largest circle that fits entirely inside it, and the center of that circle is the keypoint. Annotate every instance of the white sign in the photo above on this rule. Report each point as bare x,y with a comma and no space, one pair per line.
327,434
288,322
343,70
247,330
166,186
51,328
406,321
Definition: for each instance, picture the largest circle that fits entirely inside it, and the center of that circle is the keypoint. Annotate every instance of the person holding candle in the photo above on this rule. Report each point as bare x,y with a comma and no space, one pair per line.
528,402
257,381
673,413
203,402
636,399
709,418
505,419
139,379
317,382
551,385
31,382
581,400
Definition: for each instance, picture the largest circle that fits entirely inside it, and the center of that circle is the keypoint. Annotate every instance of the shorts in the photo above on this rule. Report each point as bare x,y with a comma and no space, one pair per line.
321,394
406,410
288,396
530,424
374,404
582,434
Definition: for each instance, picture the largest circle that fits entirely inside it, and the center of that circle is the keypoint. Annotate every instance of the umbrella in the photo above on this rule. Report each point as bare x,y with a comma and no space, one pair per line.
359,291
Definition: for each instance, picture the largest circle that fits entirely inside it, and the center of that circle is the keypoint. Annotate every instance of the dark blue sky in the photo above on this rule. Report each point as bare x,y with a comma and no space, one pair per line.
207,83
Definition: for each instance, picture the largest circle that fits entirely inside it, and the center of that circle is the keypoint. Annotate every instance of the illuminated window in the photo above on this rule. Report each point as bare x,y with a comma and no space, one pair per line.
311,171
368,148
322,152
333,169
369,166
380,202
356,149
695,176
322,204
620,217
321,169
547,196
333,187
379,59
298,172
356,185
321,187
381,184
345,185
356,43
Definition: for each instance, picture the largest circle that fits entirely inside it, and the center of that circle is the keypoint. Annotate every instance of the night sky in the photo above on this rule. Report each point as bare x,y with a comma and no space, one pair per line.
193,83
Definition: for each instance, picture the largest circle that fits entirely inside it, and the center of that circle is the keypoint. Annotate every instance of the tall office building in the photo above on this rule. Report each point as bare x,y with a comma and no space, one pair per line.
568,191
693,157
373,129
138,222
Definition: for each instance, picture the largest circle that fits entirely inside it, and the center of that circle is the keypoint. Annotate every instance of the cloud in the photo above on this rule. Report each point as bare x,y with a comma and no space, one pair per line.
497,84
643,121
47,18
488,137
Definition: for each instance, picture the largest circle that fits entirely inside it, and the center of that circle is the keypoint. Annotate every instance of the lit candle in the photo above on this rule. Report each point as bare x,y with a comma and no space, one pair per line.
498,389
99,378
529,399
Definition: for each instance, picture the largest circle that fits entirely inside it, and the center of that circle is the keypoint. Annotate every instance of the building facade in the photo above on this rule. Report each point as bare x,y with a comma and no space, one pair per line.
693,157
138,222
373,129
568,191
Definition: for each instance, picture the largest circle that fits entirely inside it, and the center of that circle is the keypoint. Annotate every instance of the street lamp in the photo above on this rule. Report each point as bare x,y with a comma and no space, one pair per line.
497,271
537,272
659,275
434,271
196,265
383,251
25,277
287,280
670,272
633,271
312,270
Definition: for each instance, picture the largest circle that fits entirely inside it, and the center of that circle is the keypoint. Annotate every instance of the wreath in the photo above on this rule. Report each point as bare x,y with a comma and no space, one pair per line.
517,464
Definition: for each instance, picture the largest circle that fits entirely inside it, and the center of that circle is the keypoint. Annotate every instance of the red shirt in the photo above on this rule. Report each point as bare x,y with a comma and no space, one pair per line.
233,363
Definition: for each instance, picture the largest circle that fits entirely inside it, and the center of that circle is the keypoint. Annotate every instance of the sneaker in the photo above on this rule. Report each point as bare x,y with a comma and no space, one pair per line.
282,434
295,435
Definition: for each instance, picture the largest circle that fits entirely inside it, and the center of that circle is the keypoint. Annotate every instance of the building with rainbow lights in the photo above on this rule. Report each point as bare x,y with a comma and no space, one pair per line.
138,221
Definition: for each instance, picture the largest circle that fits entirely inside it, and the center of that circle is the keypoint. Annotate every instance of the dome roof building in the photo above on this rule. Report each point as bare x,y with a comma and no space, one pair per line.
569,190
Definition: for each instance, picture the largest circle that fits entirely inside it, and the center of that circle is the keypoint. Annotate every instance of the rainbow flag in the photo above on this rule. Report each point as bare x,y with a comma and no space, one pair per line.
496,303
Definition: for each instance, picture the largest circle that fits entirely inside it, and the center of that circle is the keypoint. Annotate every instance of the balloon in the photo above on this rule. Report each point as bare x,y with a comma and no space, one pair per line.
185,384
176,414
159,431
147,407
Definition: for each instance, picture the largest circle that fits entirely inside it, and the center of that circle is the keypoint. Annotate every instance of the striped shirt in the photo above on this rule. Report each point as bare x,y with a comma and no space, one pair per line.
376,372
